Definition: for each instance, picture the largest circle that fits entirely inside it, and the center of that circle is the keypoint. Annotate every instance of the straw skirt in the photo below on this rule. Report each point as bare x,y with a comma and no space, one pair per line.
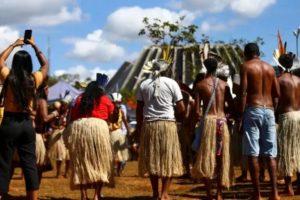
205,164
289,143
119,145
160,153
56,146
88,141
40,150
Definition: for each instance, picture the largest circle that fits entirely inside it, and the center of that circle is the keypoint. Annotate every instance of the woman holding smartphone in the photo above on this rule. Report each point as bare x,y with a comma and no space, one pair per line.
16,130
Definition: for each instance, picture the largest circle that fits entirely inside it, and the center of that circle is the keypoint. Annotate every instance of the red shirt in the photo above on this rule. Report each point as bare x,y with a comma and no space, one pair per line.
101,111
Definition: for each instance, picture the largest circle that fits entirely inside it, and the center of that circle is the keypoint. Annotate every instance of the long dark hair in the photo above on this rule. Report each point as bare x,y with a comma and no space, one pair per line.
90,97
21,80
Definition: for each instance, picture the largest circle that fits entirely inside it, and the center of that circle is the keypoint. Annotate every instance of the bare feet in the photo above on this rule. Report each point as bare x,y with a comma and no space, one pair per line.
289,191
165,197
219,197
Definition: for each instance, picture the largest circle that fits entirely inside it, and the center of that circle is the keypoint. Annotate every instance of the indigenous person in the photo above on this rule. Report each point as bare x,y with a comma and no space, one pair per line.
64,120
160,154
56,147
236,140
213,155
16,130
88,140
288,123
118,138
42,117
259,97
185,128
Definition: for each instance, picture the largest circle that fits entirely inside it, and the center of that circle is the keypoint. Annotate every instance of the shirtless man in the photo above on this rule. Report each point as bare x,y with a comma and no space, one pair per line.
259,97
213,158
288,119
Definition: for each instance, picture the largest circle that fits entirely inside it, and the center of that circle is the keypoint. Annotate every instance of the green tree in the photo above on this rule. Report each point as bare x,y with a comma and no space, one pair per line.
168,33
69,78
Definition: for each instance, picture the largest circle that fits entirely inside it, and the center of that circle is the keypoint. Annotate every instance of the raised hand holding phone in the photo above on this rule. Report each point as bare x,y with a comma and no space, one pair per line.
27,35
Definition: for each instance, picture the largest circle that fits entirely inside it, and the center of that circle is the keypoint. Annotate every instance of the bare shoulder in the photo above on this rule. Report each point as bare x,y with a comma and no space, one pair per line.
245,65
296,78
200,84
268,66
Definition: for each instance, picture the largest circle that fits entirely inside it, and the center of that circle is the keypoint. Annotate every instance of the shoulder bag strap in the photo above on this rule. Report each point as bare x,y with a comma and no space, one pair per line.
212,97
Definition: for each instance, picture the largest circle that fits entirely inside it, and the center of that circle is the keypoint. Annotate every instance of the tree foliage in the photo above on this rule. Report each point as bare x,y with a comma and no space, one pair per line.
69,78
165,32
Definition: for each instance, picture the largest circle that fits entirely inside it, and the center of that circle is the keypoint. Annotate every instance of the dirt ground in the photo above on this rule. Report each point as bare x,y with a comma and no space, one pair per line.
130,186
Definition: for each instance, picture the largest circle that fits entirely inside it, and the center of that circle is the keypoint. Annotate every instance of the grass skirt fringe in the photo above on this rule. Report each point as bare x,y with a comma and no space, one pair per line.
56,146
119,145
289,143
205,165
40,151
160,150
88,141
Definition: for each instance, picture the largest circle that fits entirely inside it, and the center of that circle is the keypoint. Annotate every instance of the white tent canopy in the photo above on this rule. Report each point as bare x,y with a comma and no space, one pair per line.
60,89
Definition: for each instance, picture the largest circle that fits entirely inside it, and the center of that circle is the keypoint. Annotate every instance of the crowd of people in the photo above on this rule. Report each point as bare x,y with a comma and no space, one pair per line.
200,133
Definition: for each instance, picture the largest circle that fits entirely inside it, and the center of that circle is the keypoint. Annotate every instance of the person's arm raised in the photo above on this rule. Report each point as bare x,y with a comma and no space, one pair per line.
4,55
41,58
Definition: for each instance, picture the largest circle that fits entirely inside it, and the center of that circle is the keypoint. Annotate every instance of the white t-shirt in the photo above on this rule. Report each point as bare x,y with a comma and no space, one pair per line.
162,106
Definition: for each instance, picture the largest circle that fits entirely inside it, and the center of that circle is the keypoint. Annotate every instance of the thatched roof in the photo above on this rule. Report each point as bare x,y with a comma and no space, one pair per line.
187,63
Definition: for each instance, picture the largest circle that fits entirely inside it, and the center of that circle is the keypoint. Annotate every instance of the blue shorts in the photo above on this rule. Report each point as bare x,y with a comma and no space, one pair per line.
259,136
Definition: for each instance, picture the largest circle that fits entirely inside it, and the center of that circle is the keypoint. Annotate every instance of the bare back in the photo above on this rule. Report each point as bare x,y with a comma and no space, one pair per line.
259,83
290,93
205,89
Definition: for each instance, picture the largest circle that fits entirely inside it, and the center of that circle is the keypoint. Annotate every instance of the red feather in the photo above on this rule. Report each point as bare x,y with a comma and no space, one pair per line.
280,45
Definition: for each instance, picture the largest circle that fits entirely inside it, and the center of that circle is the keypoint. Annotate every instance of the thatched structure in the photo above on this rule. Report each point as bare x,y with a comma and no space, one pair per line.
187,62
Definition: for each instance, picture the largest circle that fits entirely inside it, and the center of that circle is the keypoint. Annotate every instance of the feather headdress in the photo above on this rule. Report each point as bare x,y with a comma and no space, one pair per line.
157,66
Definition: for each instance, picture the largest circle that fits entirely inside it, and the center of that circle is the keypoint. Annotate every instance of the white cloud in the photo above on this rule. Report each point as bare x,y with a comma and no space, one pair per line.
94,48
202,6
8,36
246,8
38,12
250,8
85,72
125,23
57,18
210,26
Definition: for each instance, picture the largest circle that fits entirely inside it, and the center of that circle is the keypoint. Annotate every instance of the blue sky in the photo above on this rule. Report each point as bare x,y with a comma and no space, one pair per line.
90,36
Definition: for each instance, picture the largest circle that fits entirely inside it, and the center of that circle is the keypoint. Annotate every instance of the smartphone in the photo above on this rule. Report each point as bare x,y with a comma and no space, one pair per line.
27,35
